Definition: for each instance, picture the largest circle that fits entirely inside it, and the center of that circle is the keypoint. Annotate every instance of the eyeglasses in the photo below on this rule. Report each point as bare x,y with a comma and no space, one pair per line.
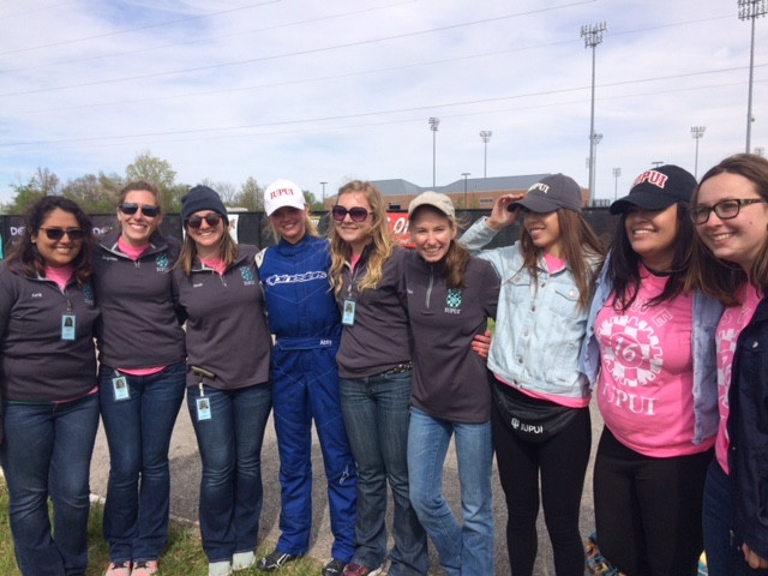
56,234
357,214
130,208
211,219
725,210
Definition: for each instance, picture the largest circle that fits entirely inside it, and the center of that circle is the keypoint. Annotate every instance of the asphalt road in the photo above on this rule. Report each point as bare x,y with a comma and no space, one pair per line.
185,480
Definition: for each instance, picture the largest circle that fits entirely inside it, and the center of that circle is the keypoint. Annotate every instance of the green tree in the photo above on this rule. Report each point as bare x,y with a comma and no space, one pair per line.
315,205
94,194
42,183
160,173
250,196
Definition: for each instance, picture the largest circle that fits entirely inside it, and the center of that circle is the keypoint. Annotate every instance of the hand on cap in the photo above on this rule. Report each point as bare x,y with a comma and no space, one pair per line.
500,216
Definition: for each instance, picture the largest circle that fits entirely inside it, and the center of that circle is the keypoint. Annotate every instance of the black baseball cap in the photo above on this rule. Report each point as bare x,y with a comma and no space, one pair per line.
657,189
549,194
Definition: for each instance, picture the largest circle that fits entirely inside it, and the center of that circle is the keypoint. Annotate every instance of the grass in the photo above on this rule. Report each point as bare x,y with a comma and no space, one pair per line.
183,554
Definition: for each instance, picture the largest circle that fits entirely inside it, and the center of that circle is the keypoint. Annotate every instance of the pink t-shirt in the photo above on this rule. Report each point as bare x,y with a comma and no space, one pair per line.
215,263
645,386
134,253
554,265
60,274
732,322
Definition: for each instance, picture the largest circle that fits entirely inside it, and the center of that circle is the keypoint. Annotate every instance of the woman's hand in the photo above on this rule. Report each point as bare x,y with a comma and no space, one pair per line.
482,343
500,216
753,559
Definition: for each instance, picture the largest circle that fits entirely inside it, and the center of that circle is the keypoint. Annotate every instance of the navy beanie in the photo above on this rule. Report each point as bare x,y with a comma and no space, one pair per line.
202,198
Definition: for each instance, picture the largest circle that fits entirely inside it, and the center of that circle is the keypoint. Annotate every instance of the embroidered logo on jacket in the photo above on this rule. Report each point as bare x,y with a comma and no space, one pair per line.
161,262
88,295
247,275
453,301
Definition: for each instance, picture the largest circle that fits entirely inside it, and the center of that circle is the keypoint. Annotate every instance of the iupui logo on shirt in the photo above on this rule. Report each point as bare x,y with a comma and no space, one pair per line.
652,177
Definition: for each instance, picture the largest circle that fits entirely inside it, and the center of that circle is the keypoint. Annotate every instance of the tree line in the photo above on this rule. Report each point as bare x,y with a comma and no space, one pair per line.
98,193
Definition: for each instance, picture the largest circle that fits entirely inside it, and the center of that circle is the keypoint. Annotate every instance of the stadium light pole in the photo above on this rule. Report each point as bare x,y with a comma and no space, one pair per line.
616,175
751,10
597,138
697,132
466,204
593,35
433,124
486,136
323,185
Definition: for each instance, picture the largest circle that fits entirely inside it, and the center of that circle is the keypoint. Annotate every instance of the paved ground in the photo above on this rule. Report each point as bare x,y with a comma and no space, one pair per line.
185,478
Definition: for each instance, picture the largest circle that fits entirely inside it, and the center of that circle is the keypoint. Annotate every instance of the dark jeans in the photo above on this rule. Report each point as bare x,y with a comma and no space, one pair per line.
231,492
648,510
724,555
47,451
139,435
376,415
561,463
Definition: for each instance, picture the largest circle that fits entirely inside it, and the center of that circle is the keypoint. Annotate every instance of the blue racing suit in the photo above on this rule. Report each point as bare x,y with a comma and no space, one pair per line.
304,317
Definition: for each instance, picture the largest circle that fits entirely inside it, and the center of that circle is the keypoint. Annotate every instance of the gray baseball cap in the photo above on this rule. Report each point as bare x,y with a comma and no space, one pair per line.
549,194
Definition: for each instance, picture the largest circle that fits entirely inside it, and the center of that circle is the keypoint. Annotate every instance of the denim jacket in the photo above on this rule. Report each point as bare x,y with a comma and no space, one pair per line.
706,315
539,327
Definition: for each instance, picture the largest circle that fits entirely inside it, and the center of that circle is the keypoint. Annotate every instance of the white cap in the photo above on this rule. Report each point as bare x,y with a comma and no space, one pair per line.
283,193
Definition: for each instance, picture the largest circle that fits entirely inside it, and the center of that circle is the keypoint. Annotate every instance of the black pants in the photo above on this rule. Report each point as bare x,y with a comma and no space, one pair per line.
562,463
648,510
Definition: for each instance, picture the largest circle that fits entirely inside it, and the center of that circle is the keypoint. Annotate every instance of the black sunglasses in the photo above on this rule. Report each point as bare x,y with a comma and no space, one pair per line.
130,208
357,214
55,234
211,219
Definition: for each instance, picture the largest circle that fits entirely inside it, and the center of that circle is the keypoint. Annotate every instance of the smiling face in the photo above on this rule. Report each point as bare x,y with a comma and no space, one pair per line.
738,239
58,252
431,232
138,227
544,230
290,223
652,235
207,238
356,234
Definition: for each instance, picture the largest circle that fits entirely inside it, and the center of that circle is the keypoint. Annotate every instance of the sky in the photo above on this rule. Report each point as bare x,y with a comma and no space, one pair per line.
339,89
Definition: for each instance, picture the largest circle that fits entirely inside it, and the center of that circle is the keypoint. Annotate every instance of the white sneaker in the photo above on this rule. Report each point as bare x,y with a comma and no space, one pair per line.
222,568
243,560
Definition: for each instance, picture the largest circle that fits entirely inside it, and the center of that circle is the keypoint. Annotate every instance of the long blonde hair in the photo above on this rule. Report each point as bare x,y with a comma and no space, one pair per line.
383,244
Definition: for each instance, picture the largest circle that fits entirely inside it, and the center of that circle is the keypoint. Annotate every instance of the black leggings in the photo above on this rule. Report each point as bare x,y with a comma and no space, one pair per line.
648,510
562,461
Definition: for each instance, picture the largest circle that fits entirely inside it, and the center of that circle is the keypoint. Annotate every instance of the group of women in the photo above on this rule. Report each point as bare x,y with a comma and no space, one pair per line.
383,348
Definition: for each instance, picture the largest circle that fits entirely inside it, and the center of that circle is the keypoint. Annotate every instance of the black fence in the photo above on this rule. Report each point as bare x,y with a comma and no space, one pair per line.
254,228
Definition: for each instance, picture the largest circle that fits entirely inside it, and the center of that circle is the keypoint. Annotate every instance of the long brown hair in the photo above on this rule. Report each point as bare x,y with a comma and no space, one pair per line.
383,244
579,242
720,278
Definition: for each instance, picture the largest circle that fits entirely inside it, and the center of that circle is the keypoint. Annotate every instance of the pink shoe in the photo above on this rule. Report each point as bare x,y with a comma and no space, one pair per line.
122,568
145,568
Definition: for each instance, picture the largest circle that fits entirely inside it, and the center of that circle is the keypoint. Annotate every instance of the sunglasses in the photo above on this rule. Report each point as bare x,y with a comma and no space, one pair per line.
211,219
357,214
130,208
55,234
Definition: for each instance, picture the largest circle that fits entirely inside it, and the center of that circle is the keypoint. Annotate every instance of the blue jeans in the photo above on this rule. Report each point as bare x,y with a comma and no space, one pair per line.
231,493
463,548
139,432
376,415
47,451
724,555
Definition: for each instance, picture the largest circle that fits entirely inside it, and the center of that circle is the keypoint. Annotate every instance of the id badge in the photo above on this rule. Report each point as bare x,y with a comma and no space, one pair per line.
68,327
203,409
120,388
348,317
